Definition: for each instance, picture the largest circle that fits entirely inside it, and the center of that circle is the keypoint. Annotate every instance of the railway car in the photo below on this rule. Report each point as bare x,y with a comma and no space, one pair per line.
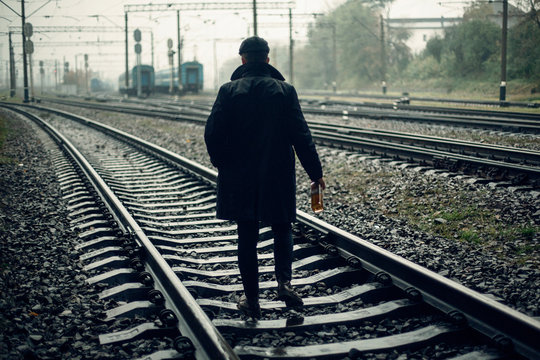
147,81
98,85
192,76
163,81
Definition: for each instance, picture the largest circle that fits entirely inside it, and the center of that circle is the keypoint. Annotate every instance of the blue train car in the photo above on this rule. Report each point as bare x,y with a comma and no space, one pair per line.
147,81
192,76
98,85
163,81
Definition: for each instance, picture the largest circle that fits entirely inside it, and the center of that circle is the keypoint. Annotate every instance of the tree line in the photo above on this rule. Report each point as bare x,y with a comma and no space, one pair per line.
349,47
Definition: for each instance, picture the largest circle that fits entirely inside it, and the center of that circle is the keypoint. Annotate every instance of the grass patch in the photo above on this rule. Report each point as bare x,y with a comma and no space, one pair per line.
449,214
455,215
470,236
529,232
3,136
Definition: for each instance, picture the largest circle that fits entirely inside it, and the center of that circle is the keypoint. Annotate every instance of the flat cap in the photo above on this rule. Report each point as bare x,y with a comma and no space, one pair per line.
253,44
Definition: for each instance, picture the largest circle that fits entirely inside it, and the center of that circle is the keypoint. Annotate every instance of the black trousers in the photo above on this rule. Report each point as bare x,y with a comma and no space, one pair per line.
248,235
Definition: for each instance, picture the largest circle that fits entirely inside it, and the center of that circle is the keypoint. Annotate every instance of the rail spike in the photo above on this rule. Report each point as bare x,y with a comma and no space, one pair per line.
383,278
457,317
184,346
156,297
414,294
168,317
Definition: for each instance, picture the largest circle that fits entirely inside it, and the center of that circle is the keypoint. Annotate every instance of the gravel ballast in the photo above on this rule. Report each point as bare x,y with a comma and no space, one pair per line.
42,277
47,310
484,235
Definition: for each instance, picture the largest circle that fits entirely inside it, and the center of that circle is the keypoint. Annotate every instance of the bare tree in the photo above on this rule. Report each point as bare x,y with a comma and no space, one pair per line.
532,7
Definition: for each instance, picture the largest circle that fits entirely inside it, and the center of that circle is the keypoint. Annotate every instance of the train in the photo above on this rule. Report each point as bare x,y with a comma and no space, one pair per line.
192,78
160,81
163,81
98,85
147,81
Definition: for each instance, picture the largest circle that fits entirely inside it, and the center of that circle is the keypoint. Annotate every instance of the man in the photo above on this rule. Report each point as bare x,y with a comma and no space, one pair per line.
255,122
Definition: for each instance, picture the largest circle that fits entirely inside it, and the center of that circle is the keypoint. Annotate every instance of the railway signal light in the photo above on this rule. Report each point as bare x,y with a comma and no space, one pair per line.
137,35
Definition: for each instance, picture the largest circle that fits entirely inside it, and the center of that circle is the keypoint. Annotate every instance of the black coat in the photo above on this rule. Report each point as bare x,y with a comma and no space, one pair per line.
255,122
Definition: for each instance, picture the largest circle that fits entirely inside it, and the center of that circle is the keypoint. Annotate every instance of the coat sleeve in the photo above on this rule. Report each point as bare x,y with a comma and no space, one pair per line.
215,130
302,141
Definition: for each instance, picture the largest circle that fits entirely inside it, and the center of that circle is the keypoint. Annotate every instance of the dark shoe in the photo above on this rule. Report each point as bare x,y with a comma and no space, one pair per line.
286,293
249,308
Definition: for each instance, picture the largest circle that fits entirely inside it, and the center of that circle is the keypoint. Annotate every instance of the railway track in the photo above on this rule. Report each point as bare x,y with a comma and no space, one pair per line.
165,257
517,166
502,121
440,100
479,119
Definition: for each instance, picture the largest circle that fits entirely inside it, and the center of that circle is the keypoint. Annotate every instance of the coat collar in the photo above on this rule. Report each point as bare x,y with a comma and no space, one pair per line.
256,69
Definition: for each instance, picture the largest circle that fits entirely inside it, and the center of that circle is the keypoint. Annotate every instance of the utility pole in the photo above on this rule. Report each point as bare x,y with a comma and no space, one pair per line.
290,47
29,48
42,77
86,72
152,46
55,75
179,49
31,68
127,64
216,82
170,54
77,74
255,18
334,52
25,64
13,79
383,58
502,89
138,50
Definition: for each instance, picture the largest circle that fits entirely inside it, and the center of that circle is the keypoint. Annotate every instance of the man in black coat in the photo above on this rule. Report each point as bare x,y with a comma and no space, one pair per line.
255,128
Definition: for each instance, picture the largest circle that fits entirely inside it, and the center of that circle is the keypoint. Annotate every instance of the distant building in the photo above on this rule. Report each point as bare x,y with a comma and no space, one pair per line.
494,13
423,29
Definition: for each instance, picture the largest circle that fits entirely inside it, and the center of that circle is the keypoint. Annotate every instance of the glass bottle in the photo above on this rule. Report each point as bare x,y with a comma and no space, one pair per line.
316,198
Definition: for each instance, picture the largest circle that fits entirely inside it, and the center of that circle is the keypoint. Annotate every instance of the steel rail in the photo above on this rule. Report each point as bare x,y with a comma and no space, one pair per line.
432,157
527,125
399,105
489,317
442,100
435,158
517,171
532,126
482,313
498,124
491,151
194,322
167,114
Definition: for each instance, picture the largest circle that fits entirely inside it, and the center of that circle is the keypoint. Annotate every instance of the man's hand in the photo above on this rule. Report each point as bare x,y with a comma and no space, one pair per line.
320,182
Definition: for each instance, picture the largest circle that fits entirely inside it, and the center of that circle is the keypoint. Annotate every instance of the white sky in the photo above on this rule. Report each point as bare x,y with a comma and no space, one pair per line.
199,30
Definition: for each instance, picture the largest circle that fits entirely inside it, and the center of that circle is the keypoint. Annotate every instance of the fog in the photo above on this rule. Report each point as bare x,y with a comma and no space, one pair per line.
64,31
